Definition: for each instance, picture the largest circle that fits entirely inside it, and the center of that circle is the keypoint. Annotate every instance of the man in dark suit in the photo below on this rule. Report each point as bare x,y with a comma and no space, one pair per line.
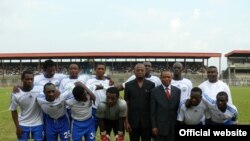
137,96
165,101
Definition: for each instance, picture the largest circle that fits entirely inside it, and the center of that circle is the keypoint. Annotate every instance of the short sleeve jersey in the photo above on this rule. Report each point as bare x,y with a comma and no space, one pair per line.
112,113
30,112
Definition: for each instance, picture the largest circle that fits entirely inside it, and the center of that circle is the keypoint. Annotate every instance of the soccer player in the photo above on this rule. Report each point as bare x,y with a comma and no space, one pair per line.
49,75
83,124
69,82
184,84
30,117
102,83
221,112
111,114
53,105
192,111
213,86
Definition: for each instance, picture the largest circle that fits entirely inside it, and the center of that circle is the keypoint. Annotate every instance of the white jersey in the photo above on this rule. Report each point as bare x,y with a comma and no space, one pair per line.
212,89
56,108
193,115
30,112
228,117
84,78
40,80
68,84
99,94
152,78
79,110
185,85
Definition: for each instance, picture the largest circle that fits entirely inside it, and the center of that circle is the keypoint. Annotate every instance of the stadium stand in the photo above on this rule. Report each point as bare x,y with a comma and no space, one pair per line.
119,65
238,71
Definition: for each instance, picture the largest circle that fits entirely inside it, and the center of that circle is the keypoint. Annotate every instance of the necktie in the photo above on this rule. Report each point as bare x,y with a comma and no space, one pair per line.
168,93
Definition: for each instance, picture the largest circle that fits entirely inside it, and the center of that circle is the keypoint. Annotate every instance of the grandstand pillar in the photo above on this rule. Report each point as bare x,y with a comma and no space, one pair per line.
39,65
234,71
112,66
57,66
21,66
2,67
202,73
207,63
185,63
220,68
229,74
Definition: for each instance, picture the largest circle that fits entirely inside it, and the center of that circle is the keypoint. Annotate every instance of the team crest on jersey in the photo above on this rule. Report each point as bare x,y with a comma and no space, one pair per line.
56,83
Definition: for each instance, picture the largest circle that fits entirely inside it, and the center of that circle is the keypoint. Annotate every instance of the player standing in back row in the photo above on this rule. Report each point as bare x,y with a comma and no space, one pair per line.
102,83
184,84
213,86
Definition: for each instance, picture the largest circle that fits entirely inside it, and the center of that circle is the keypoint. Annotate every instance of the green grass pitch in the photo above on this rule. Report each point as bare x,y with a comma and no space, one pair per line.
241,98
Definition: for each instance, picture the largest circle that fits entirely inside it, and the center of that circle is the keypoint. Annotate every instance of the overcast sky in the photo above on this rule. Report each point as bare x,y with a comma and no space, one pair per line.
218,26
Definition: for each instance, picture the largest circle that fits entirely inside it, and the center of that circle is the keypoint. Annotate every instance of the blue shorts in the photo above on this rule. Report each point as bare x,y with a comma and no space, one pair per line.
95,118
55,127
35,131
84,128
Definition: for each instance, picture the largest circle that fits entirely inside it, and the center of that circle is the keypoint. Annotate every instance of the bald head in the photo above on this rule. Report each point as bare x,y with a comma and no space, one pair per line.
139,70
178,64
147,63
148,67
177,69
139,65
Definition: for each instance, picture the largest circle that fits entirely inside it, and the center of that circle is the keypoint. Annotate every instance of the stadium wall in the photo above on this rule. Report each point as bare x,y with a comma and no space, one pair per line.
9,81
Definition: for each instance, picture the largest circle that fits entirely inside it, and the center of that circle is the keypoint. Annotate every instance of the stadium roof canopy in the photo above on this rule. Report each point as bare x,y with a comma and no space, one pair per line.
68,55
238,53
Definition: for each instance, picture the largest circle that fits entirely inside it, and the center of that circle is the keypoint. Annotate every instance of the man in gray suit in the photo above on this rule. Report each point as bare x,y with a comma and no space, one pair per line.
165,101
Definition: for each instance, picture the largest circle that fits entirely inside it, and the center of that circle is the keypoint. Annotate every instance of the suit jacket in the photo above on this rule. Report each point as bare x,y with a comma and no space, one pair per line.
164,110
138,103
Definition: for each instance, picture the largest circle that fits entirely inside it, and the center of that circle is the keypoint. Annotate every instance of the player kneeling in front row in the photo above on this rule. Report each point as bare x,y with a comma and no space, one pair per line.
111,114
221,112
193,110
80,104
53,106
